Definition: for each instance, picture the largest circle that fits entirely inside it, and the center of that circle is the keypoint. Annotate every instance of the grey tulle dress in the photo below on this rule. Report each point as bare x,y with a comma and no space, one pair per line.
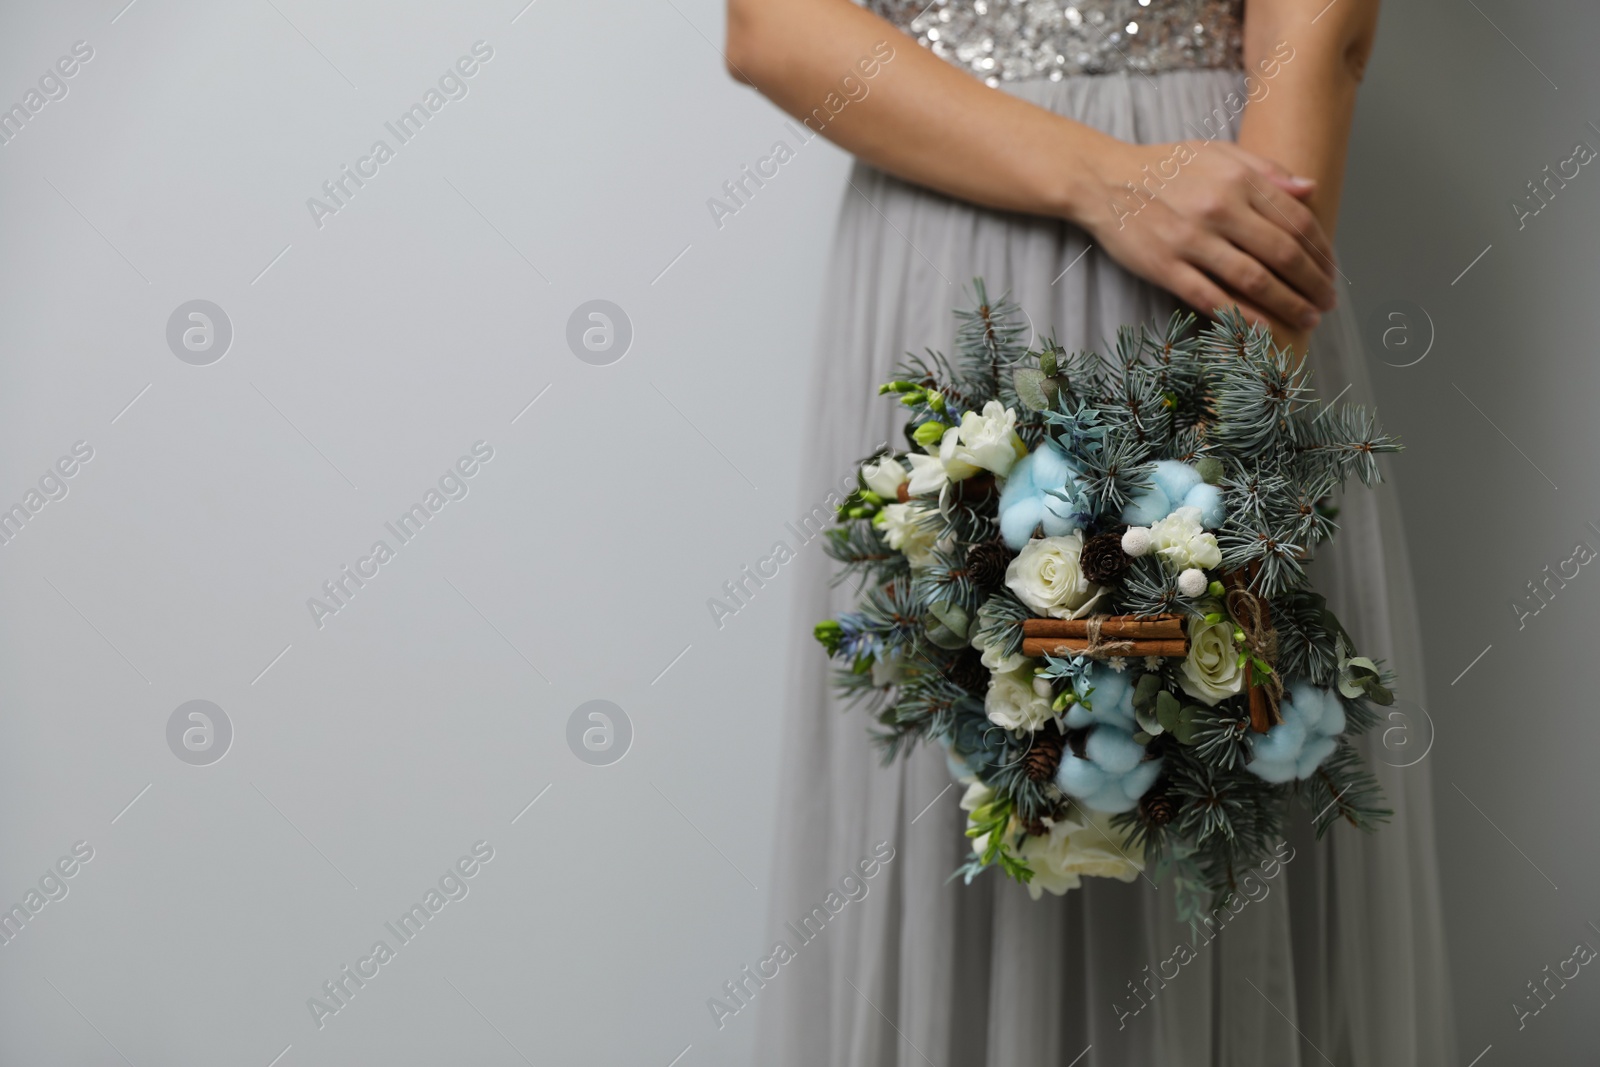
1342,960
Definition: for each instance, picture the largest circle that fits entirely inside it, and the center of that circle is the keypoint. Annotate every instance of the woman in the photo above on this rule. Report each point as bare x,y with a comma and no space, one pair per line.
1104,161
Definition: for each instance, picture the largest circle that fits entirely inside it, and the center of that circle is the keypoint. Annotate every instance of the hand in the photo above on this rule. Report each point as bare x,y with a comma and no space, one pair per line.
1214,225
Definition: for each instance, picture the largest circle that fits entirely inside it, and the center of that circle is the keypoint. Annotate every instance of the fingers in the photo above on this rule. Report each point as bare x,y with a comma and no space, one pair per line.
1279,175
1248,277
1282,210
1203,294
1288,257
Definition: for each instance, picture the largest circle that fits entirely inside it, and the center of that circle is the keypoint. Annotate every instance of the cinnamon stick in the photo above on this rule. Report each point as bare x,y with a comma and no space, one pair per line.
1062,646
1116,627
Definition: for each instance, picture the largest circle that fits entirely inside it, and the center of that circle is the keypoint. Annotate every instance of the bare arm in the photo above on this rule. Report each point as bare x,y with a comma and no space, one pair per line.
1230,230
1303,120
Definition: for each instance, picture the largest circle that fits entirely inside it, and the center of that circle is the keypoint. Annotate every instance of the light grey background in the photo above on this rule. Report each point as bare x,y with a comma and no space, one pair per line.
369,354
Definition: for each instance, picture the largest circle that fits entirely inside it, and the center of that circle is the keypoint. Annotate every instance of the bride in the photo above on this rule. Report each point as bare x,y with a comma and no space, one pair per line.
1104,161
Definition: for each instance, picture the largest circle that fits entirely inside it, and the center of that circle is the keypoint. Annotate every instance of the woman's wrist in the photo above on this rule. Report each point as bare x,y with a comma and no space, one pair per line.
1086,163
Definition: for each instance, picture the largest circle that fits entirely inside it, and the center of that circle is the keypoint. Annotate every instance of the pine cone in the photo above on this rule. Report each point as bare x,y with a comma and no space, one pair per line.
1158,808
987,563
969,673
1044,755
1103,560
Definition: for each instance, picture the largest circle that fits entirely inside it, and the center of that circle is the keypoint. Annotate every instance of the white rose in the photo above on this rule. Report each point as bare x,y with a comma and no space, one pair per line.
1083,844
884,477
1182,542
1211,671
927,474
906,531
988,441
1047,577
1012,701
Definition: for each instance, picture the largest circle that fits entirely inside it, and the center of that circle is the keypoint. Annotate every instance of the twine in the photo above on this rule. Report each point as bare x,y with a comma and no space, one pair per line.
1249,612
1099,647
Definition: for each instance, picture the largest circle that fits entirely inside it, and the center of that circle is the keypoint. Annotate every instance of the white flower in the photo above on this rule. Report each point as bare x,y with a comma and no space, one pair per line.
906,533
1211,672
988,441
1083,844
1014,703
992,658
1047,577
927,474
885,477
956,467
1182,542
976,796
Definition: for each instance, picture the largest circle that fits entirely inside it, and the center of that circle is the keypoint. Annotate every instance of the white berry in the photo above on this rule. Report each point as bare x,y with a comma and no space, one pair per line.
1136,541
1192,582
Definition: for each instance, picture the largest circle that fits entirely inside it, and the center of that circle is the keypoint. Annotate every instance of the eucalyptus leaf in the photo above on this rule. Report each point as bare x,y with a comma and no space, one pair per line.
1168,710
1149,723
1145,690
1030,388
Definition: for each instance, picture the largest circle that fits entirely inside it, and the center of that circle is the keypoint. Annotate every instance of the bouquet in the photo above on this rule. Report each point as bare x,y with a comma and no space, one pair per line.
1085,577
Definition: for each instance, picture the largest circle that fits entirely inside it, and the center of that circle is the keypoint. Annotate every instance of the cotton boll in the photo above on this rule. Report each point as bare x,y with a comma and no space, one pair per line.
1111,695
1174,478
1057,516
1113,751
1281,743
1078,777
1050,468
1317,749
1208,498
1017,521
1146,507
1137,782
1313,718
1110,800
1274,772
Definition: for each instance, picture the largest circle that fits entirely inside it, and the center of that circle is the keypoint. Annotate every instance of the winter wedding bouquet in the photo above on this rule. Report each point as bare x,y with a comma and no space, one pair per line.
1085,577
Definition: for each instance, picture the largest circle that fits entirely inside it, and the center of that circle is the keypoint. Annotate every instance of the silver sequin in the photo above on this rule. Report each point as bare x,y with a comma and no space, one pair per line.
1012,40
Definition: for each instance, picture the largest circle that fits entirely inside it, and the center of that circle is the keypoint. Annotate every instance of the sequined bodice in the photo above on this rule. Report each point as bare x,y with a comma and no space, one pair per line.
1012,40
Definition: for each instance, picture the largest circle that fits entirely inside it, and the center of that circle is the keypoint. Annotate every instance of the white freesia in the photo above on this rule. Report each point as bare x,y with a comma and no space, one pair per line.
903,527
986,441
1014,703
885,477
1047,576
956,466
1211,671
1082,844
927,474
1182,542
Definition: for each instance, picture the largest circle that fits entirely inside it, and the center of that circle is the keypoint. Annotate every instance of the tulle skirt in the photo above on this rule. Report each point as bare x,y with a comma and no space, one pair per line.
1337,958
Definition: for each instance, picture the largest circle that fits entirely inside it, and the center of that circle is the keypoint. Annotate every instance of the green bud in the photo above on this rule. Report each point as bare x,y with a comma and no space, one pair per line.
870,497
897,387
929,433
1216,590
829,633
1064,701
1048,364
936,400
